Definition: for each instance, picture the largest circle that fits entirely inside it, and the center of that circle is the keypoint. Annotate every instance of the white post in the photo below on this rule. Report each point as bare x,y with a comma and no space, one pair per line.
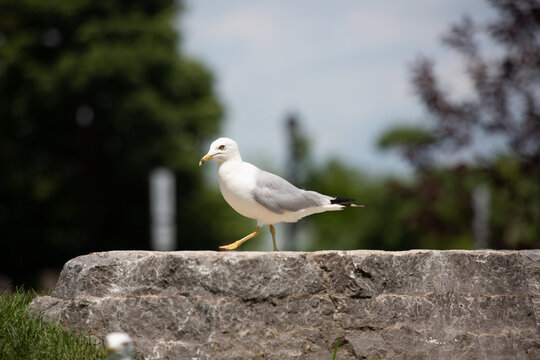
481,199
163,209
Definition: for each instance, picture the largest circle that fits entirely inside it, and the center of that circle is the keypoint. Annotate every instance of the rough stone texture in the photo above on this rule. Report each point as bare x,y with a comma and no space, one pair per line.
294,305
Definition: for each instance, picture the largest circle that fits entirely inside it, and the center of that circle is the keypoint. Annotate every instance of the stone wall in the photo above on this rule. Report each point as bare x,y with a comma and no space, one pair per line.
296,305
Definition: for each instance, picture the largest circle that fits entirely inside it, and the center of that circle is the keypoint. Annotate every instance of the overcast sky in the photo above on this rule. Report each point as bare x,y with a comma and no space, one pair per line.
343,66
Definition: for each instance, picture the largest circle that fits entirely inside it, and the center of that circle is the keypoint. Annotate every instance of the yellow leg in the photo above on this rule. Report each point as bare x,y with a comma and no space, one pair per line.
236,244
273,231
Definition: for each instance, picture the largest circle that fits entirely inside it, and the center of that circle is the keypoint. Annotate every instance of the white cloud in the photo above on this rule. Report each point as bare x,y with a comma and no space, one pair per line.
249,25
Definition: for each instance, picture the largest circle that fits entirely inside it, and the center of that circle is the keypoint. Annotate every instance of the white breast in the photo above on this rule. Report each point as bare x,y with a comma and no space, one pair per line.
236,182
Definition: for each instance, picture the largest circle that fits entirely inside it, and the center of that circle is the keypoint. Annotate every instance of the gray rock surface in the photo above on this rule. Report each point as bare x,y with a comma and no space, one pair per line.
295,305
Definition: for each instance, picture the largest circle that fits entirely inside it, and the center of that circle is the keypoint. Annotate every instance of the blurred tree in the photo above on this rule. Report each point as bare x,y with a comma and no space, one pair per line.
377,226
412,142
435,208
504,108
427,212
506,102
93,95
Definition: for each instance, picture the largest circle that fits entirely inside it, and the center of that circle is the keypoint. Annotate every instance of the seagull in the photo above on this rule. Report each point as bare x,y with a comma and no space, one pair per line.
263,196
119,346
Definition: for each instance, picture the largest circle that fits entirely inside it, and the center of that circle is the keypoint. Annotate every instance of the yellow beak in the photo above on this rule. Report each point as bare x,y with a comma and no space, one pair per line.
205,158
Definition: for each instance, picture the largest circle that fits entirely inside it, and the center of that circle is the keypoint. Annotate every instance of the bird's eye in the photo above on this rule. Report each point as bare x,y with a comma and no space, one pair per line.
221,147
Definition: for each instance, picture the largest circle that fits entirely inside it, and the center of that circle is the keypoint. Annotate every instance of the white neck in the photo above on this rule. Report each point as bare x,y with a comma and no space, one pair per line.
232,159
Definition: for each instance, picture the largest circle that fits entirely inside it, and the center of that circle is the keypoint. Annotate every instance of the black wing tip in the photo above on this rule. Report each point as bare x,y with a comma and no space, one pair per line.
341,200
344,202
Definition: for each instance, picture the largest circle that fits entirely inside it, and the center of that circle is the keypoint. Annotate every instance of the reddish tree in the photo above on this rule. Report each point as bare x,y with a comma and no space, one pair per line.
506,100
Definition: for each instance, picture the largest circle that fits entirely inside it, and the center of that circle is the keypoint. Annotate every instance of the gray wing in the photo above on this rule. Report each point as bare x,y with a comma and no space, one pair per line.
279,195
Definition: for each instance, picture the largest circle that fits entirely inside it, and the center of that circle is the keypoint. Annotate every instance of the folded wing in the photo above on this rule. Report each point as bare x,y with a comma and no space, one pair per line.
279,195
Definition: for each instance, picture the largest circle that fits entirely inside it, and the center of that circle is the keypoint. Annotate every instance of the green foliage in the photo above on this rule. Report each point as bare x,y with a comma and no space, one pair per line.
412,142
432,210
25,336
515,218
405,136
93,96
380,225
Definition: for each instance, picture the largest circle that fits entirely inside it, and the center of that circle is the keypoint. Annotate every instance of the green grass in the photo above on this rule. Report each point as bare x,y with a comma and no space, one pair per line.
335,349
25,336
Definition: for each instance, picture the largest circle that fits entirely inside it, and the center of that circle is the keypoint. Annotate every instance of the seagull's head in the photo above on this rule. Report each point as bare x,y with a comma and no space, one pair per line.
119,346
221,150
